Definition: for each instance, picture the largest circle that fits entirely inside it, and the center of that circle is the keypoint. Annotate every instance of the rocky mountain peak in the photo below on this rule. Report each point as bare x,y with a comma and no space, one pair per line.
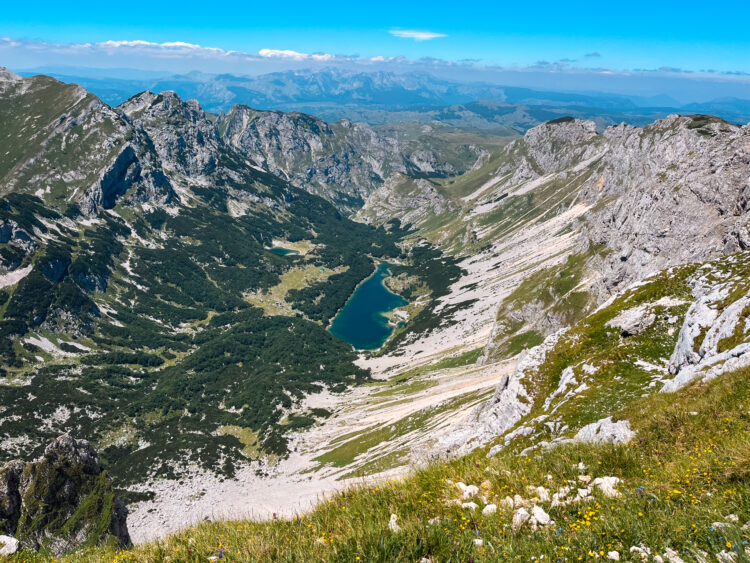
557,143
138,103
549,148
8,76
66,450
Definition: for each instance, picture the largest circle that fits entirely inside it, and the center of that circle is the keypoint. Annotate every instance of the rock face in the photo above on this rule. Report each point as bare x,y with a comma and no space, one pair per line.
62,501
673,192
8,545
713,336
509,404
621,205
679,192
633,321
339,160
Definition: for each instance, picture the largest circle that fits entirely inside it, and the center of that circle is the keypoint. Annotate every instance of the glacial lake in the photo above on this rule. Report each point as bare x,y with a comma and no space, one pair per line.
362,321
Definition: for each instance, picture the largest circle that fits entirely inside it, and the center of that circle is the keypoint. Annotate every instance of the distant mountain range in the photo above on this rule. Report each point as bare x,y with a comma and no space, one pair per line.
386,97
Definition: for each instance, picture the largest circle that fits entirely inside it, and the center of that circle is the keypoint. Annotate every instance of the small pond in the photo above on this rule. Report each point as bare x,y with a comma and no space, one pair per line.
283,251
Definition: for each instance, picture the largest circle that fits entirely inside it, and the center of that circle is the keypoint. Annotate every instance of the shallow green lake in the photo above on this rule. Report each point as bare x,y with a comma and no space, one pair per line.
283,251
362,321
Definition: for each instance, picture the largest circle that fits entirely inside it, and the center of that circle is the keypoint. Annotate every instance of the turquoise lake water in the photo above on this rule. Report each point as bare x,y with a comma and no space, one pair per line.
283,251
361,321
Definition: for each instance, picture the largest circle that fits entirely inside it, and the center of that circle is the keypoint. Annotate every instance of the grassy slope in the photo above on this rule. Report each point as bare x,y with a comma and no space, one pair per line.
687,469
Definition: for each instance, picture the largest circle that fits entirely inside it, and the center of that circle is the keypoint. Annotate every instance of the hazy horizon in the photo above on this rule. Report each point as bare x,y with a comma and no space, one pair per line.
654,49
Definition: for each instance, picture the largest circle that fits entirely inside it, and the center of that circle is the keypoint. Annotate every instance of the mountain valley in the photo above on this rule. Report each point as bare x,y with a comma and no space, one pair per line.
573,294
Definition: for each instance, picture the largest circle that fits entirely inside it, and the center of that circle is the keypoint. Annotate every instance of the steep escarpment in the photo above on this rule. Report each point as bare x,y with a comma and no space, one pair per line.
61,501
65,145
679,193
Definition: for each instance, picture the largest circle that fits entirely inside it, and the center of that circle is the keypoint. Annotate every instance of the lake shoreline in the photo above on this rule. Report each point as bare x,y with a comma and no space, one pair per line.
367,320
356,287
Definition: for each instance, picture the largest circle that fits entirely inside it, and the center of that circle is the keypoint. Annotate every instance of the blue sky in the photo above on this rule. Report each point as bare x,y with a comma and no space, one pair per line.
689,35
605,36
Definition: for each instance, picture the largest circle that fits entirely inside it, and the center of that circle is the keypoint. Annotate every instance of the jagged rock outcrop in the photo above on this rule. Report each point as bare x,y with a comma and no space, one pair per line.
181,133
508,405
633,321
713,336
8,76
75,149
61,501
605,431
548,148
13,234
136,179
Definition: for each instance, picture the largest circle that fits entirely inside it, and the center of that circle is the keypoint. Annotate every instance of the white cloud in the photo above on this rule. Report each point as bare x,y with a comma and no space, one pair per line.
8,42
168,48
416,35
294,55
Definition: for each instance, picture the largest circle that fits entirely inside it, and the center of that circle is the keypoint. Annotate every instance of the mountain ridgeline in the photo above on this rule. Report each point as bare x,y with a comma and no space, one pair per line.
141,307
379,97
345,161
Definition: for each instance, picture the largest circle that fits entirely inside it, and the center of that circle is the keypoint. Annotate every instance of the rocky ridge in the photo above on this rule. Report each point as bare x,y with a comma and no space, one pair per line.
561,232
61,501
344,161
691,325
114,148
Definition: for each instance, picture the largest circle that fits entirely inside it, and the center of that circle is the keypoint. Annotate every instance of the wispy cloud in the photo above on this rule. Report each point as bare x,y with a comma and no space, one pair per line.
595,55
168,49
415,34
